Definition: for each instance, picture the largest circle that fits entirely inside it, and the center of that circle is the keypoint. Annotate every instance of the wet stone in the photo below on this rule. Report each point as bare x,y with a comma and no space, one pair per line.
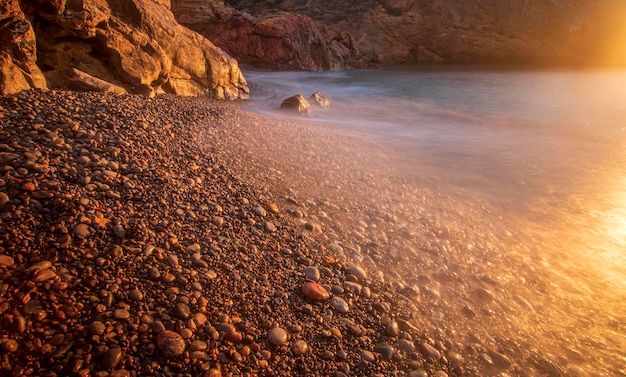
314,291
339,304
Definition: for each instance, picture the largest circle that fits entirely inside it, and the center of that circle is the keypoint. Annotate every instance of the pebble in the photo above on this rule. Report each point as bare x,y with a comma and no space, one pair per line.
429,351
121,314
135,295
312,273
260,211
10,345
97,328
392,329
368,356
44,275
82,230
112,358
6,260
277,336
359,272
314,291
182,310
339,304
299,347
170,343
4,199
385,350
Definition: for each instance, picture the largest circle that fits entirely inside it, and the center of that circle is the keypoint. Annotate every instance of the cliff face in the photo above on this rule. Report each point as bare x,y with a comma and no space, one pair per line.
279,40
110,45
487,31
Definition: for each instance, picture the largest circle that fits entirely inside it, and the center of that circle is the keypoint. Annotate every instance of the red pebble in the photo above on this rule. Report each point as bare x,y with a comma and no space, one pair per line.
314,291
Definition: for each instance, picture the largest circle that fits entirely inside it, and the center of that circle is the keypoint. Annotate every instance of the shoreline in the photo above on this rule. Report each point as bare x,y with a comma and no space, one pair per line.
174,236
130,248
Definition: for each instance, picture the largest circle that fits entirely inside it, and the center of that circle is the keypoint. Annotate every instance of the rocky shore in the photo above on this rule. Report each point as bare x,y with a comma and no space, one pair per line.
161,237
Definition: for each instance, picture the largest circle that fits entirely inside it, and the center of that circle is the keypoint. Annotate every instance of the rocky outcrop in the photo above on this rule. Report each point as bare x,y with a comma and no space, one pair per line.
133,44
283,40
471,31
18,51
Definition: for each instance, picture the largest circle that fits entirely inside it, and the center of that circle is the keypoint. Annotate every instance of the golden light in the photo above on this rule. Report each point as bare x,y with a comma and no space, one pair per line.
604,38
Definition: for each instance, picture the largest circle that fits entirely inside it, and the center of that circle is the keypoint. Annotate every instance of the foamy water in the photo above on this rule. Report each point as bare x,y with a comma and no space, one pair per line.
540,158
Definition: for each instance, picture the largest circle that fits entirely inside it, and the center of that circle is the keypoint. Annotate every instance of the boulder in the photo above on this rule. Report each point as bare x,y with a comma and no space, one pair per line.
131,44
81,81
319,99
296,103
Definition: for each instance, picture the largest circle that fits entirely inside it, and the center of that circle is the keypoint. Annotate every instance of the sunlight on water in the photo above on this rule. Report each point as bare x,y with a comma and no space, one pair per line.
529,175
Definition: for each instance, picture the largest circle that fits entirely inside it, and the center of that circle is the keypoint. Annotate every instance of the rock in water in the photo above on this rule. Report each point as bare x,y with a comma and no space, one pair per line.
171,343
314,291
319,99
296,103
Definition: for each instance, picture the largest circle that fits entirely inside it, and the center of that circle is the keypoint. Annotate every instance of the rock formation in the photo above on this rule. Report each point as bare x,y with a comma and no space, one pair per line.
470,31
18,51
136,45
283,40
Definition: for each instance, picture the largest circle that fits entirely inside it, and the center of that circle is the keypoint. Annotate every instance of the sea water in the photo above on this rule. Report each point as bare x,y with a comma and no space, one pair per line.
544,149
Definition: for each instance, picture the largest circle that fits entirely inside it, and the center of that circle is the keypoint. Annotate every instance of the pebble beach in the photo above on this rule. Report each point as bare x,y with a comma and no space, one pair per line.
168,237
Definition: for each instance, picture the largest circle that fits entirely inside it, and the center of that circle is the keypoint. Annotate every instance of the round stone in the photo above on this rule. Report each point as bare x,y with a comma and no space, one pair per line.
429,351
339,304
299,347
121,314
96,328
260,211
6,260
358,272
10,345
82,230
170,343
135,295
182,311
277,336
312,273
